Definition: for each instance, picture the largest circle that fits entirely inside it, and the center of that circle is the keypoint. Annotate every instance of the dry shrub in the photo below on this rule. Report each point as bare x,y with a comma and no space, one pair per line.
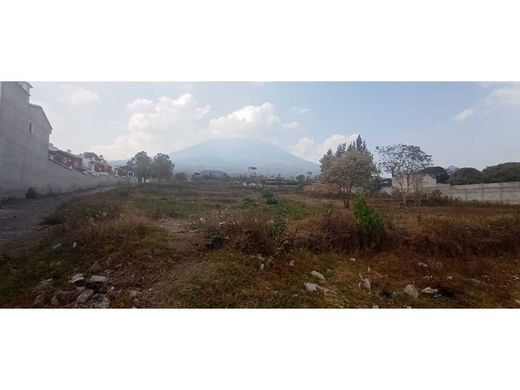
249,231
332,231
450,236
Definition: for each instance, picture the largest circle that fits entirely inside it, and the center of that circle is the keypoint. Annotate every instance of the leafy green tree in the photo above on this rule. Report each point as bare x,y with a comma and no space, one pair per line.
162,167
341,149
466,176
502,173
141,164
405,163
353,169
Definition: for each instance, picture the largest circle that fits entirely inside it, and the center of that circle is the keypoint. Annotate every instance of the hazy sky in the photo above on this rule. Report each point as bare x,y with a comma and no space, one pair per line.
462,124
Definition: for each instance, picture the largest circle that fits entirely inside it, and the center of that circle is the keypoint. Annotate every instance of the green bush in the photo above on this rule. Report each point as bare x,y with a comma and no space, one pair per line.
268,193
368,220
271,201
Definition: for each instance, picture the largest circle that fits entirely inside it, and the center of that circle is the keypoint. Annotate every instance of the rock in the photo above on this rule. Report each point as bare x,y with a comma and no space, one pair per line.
318,275
100,301
262,266
97,279
353,259
424,265
74,245
134,293
62,298
95,267
57,247
291,263
411,291
429,290
39,300
375,307
85,296
365,283
46,282
55,301
77,279
312,287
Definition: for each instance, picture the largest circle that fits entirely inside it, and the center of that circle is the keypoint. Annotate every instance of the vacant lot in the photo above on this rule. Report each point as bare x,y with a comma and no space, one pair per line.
222,245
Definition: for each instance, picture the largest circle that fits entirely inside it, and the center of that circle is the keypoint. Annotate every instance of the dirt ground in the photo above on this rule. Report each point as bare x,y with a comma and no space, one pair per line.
19,217
219,245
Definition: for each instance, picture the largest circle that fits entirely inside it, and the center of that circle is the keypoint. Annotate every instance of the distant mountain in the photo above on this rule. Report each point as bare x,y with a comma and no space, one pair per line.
235,155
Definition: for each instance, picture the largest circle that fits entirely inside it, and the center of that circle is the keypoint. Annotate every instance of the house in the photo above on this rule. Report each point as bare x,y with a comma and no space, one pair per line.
65,158
24,139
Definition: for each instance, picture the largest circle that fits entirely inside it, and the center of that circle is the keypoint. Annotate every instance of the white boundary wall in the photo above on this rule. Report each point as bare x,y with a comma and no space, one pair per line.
487,192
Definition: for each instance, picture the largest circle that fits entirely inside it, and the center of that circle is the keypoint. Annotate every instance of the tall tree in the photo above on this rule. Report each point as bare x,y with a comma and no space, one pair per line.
501,173
405,163
162,167
441,175
141,164
340,149
353,169
358,144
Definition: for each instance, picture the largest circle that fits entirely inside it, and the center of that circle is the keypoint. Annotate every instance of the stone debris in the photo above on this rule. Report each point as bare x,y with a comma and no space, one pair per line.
97,279
85,296
262,266
291,263
424,265
353,259
429,290
411,291
365,283
313,288
95,267
134,293
318,275
57,247
77,279
100,301
74,245
39,300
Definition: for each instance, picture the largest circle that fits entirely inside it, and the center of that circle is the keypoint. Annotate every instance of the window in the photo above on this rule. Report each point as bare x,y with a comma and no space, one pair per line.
31,128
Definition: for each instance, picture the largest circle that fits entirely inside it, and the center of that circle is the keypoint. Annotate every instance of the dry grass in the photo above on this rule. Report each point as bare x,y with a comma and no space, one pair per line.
200,245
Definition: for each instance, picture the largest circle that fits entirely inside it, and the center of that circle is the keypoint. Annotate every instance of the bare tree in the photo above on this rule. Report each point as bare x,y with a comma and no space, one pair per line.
405,163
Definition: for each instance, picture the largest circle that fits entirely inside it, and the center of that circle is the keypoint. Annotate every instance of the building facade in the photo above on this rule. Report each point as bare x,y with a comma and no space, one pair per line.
24,140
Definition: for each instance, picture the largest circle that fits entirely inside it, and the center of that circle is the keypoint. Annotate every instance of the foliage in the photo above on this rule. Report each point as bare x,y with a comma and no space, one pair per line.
31,194
141,164
267,193
162,167
353,169
405,163
466,176
180,176
359,144
501,173
441,175
369,221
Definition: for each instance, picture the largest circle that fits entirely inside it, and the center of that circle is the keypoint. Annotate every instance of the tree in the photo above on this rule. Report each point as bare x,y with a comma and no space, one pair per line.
341,149
466,176
162,167
91,156
353,169
358,144
180,176
405,163
141,164
441,175
501,173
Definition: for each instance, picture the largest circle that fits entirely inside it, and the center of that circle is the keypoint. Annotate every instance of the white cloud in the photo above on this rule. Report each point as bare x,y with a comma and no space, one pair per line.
301,110
311,150
507,95
169,124
464,114
291,126
165,125
80,97
249,121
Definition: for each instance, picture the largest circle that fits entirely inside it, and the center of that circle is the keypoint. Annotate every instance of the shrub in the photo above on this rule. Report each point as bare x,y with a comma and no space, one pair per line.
271,201
369,221
31,193
267,194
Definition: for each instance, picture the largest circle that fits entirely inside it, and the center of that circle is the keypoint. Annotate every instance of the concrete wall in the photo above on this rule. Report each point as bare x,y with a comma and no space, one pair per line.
24,143
508,193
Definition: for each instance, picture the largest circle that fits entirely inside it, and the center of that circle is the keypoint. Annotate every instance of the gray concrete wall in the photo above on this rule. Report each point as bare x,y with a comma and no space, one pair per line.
508,193
24,143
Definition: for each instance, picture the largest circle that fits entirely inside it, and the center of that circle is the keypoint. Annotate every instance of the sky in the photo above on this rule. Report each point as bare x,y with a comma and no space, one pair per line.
460,124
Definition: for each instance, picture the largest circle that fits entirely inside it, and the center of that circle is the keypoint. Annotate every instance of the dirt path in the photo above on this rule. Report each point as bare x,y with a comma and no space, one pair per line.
20,217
